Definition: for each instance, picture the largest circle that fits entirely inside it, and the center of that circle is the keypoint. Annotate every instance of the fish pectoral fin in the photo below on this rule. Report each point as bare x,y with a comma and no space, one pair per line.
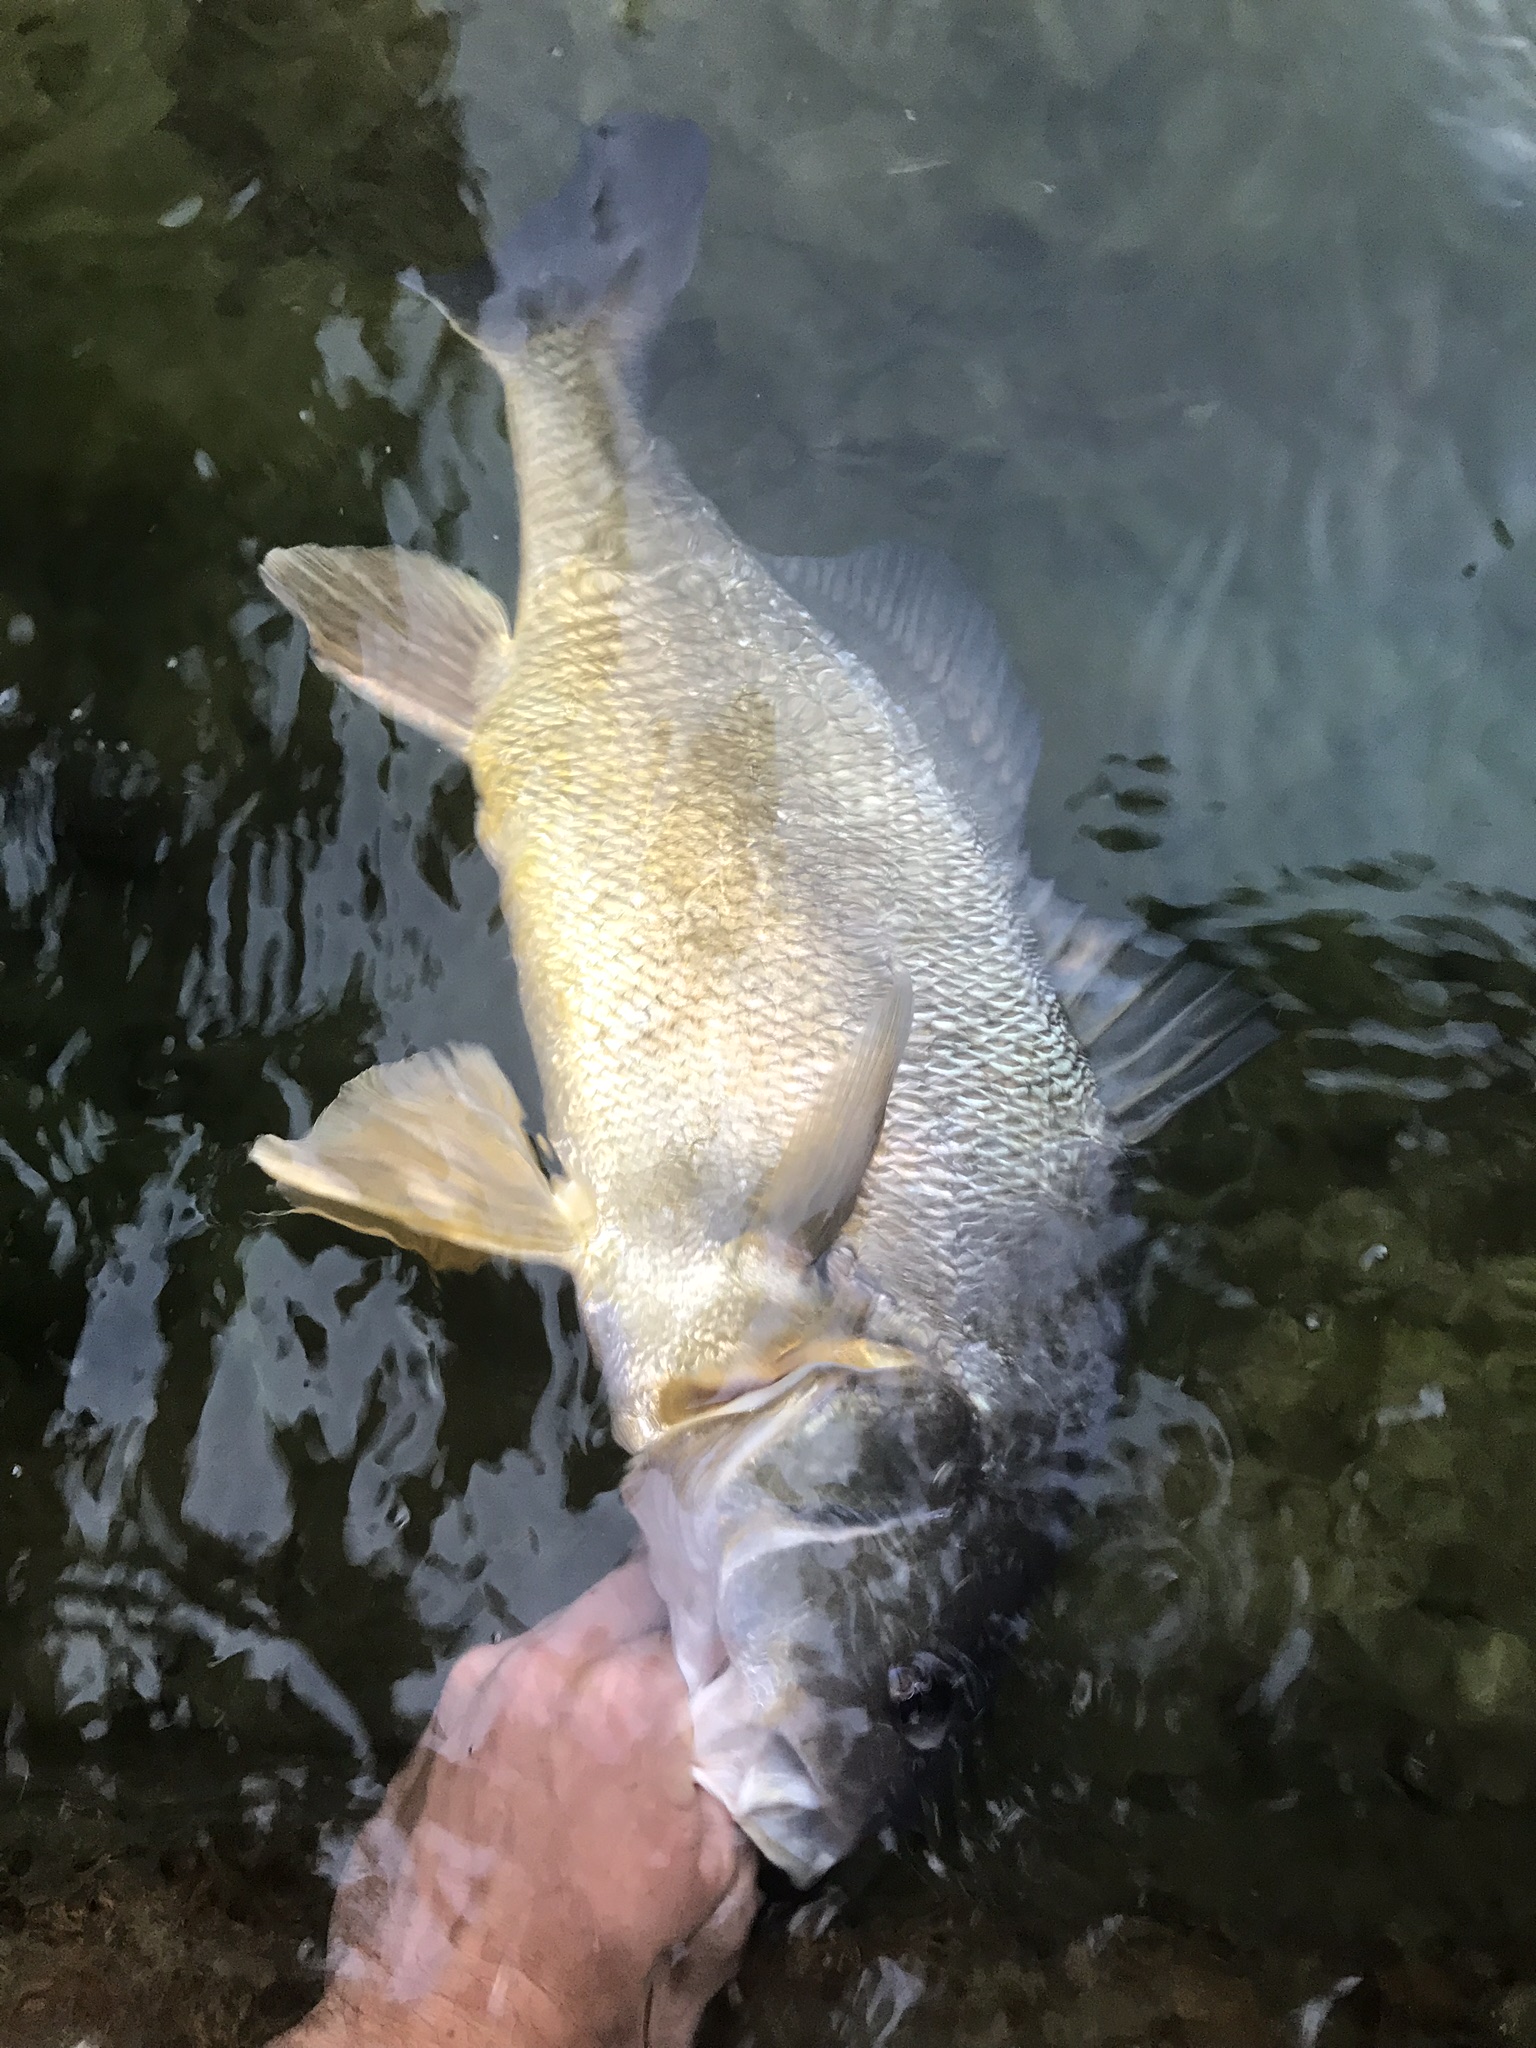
809,1194
431,1152
422,642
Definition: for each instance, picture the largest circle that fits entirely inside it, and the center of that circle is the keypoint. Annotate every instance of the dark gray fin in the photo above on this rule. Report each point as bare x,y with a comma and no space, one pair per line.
617,242
1158,1027
908,615
422,642
432,1153
812,1190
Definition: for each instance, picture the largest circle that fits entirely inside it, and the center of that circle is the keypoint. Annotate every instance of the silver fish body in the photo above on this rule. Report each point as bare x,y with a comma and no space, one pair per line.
835,1087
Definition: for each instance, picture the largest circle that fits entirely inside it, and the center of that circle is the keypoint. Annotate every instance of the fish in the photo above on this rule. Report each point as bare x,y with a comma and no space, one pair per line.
836,1091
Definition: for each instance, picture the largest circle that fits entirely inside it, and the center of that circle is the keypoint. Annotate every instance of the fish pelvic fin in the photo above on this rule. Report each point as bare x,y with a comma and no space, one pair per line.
422,642
811,1192
1158,1027
615,244
432,1153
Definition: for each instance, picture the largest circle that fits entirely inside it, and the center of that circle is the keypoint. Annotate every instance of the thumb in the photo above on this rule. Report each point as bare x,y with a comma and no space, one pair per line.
683,1984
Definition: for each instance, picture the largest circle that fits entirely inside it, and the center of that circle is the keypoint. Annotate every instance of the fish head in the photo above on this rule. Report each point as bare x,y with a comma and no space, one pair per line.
830,1551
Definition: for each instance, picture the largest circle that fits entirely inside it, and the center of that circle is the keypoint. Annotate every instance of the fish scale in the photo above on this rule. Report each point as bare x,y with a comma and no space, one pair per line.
871,860
834,1084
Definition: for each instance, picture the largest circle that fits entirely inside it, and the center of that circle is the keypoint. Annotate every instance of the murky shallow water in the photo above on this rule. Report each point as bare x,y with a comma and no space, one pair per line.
1203,345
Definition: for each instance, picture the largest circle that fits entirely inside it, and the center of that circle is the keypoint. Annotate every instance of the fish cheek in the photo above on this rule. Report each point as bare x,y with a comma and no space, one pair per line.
813,1631
889,1448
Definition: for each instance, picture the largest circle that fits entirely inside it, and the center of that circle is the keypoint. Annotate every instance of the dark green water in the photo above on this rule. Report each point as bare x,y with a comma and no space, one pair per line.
1204,345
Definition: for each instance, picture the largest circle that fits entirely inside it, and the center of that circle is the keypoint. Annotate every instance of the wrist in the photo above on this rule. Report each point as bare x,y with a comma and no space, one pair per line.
517,2015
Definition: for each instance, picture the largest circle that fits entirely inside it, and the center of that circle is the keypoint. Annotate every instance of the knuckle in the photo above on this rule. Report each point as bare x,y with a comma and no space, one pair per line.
465,1677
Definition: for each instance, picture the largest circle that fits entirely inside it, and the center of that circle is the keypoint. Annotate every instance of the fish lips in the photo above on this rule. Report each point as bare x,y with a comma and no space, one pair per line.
821,1559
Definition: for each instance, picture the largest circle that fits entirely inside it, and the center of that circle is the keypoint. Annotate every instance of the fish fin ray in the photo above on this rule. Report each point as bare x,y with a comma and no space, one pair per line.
909,615
430,1152
809,1194
422,642
1158,1027
751,1378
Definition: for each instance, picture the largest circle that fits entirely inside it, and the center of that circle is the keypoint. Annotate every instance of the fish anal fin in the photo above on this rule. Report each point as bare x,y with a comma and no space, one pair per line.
431,1152
1158,1027
810,1193
422,642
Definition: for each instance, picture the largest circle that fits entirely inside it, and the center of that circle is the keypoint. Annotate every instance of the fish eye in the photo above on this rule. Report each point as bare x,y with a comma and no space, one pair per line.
922,1694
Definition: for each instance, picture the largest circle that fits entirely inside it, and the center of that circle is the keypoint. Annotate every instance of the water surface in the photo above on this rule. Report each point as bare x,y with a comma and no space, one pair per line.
1204,345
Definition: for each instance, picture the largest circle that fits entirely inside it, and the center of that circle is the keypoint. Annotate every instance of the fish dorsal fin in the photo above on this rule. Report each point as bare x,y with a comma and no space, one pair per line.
907,613
1158,1027
809,1194
422,642
431,1152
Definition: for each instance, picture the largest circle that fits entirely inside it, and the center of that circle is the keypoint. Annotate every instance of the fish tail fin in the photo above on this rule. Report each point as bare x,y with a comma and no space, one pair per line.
615,244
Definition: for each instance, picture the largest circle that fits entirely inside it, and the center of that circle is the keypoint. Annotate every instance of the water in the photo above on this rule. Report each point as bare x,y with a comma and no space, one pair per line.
1203,344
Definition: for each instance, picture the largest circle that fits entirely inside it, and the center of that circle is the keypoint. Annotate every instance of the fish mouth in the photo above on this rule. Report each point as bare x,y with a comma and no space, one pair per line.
762,1782
816,1555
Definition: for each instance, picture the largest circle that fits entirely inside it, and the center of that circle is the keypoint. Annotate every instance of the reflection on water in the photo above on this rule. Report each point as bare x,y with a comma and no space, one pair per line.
1204,344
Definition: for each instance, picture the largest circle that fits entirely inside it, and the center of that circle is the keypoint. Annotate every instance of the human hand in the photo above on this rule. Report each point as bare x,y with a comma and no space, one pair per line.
544,1867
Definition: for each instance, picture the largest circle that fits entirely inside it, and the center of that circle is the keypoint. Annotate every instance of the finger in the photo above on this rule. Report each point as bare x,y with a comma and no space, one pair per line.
718,1944
616,1610
531,1668
683,1986
477,1690
398,1811
631,1709
722,1846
